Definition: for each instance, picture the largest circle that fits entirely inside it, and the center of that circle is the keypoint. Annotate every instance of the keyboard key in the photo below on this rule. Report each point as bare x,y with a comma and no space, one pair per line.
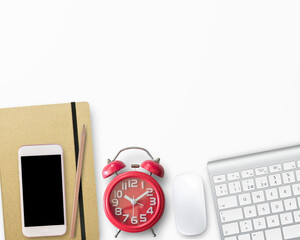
230,229
290,204
248,185
273,234
276,207
227,202
286,218
263,209
258,196
296,216
298,163
261,171
261,182
231,238
247,173
233,176
258,236
234,187
244,237
246,226
250,212
273,221
221,190
298,175
298,201
285,191
271,194
259,223
296,189
289,165
244,199
231,215
275,180
291,232
275,168
219,178
288,177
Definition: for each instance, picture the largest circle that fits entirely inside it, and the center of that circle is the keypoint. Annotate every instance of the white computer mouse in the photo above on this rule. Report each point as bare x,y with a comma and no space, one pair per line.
189,203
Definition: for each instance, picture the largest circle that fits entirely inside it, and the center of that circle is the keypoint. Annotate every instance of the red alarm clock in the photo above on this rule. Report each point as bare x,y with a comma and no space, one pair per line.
133,200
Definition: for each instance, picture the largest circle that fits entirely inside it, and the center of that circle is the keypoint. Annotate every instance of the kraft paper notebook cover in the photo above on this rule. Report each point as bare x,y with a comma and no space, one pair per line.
58,124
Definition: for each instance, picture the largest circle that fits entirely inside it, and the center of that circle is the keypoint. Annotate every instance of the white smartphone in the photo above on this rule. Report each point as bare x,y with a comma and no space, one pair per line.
42,189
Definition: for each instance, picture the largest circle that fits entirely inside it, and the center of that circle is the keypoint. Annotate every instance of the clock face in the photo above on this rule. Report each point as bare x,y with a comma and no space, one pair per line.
134,202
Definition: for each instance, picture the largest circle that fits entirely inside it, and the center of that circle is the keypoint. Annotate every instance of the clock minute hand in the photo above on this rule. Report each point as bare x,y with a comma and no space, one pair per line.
141,196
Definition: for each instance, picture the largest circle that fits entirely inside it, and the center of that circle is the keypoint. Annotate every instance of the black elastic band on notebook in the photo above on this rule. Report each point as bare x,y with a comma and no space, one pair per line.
76,147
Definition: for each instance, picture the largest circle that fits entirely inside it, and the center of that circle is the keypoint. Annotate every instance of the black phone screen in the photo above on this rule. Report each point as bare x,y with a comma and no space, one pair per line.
42,190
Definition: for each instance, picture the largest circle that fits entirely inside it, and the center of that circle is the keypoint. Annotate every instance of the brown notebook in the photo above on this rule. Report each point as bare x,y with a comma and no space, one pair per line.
49,124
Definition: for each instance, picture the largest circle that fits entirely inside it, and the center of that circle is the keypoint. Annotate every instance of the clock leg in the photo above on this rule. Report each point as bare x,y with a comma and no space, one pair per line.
154,235
117,233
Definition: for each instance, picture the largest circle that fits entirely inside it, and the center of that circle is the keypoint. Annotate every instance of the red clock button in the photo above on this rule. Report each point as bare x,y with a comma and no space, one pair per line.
154,168
112,168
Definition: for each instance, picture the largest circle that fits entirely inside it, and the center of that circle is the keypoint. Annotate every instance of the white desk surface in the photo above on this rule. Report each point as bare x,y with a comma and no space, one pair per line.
192,81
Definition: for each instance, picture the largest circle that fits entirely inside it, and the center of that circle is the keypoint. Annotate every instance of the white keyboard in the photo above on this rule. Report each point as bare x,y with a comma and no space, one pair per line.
257,196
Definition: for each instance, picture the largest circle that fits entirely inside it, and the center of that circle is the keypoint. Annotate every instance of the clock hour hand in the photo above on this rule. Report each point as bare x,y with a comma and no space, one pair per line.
129,199
145,193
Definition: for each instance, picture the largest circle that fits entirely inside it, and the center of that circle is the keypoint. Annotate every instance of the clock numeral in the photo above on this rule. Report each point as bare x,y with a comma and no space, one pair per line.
126,217
118,211
150,210
134,220
118,194
143,185
132,183
143,218
153,201
124,186
115,202
150,192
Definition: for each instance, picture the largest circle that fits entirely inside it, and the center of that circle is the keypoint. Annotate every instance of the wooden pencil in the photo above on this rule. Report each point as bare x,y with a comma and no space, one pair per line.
77,183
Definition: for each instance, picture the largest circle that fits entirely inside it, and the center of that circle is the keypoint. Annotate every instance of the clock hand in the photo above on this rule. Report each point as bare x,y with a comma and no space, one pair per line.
133,207
141,196
129,199
132,201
